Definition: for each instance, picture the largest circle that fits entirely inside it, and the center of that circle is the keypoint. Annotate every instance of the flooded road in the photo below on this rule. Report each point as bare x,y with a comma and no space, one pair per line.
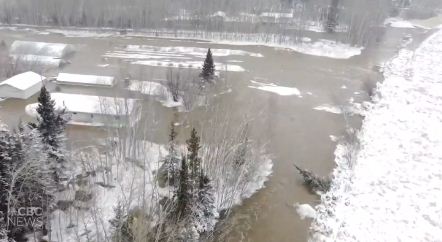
295,133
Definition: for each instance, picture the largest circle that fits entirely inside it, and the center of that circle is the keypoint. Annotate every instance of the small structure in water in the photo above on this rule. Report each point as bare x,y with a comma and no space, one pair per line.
40,53
85,80
93,110
22,86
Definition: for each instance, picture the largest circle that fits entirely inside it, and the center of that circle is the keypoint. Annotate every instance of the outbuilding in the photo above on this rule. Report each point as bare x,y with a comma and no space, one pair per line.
93,110
21,86
85,80
41,53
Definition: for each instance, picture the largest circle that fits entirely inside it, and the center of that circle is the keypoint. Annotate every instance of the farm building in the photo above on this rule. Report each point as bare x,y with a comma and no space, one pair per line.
93,110
87,80
21,86
40,53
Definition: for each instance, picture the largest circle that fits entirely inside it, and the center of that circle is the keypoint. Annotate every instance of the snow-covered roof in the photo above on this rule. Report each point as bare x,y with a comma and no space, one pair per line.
37,60
88,104
85,79
58,50
24,80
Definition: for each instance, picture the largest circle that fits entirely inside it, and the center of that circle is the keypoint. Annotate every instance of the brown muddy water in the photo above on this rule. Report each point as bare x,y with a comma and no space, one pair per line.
293,131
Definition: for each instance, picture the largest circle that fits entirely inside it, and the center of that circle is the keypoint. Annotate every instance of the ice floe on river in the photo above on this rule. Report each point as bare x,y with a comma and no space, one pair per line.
271,87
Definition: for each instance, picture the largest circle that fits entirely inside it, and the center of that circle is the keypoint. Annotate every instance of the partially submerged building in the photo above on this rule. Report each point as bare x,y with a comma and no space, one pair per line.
40,53
21,86
93,110
85,80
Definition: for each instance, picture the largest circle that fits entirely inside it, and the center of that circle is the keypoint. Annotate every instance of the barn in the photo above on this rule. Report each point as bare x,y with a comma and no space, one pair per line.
85,80
93,110
42,53
21,86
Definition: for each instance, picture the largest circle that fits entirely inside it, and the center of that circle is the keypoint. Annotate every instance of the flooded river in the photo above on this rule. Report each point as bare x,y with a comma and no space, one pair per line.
290,126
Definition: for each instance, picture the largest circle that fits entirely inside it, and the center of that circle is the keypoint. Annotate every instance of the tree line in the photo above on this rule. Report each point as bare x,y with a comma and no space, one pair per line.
31,168
359,18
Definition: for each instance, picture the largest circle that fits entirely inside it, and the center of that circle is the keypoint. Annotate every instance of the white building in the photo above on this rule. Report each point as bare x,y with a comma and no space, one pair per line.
93,110
41,53
86,80
21,86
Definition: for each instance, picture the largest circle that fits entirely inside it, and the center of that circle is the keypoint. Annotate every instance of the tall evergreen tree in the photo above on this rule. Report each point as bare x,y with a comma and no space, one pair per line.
195,196
193,147
208,72
51,124
184,196
172,159
50,121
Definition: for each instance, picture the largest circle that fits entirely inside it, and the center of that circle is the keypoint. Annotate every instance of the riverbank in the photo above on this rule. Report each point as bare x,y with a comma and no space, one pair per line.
386,187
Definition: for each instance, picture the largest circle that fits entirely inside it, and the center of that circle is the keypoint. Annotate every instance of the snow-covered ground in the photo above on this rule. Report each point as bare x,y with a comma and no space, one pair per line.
390,188
115,181
398,23
176,56
130,179
413,23
322,47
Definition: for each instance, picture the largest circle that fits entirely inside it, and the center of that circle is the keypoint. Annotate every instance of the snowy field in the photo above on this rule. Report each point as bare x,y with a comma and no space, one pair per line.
389,189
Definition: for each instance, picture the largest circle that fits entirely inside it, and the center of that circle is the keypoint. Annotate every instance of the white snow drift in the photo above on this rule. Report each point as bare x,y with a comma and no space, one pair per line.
391,189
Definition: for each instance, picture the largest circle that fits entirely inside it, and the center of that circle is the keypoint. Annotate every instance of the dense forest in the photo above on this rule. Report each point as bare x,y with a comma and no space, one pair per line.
356,20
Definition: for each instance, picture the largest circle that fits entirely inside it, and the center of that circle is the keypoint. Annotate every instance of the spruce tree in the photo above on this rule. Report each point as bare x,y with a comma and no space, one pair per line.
49,120
193,146
208,71
172,160
51,124
184,197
